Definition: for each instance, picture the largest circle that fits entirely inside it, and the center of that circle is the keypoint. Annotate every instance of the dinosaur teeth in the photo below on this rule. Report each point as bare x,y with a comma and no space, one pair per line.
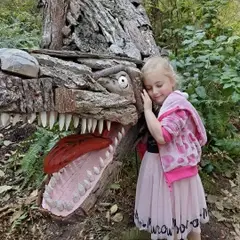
100,125
115,141
102,165
108,125
111,149
52,119
50,202
68,120
96,170
90,176
48,189
120,136
43,117
83,125
61,121
16,119
76,197
89,124
81,189
123,131
75,121
46,195
5,118
94,125
87,184
107,154
56,176
60,206
68,206
31,118
53,182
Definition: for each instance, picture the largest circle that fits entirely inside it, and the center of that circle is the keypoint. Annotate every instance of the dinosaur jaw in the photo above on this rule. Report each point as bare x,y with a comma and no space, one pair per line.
69,188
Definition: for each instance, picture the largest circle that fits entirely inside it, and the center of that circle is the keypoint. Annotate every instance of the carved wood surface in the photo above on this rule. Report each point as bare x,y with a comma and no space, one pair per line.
68,54
120,27
25,95
54,12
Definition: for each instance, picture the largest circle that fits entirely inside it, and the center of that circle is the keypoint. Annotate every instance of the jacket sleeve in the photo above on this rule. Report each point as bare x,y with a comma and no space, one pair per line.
173,124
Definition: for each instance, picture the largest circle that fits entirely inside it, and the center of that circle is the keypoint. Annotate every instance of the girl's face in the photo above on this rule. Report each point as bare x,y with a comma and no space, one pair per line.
158,86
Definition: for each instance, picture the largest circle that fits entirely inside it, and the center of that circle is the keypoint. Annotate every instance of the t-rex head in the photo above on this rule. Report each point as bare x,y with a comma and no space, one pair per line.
97,95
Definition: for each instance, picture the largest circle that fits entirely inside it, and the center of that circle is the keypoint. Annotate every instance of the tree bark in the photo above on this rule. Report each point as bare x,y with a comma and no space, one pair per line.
54,13
120,27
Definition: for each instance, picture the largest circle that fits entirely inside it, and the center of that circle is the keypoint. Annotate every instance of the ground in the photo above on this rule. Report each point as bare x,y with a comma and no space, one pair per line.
112,216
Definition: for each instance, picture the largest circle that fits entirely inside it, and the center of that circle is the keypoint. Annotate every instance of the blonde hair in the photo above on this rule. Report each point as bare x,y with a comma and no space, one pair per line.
156,63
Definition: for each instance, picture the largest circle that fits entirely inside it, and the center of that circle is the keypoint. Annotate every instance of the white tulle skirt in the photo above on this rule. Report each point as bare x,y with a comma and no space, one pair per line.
167,214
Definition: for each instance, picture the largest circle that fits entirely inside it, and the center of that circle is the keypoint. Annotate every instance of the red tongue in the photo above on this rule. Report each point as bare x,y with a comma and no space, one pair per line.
71,147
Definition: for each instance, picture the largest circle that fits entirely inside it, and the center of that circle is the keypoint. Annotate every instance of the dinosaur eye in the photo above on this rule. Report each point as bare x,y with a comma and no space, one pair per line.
123,82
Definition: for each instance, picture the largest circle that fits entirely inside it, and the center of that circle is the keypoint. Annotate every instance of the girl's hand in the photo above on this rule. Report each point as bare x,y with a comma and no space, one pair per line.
147,102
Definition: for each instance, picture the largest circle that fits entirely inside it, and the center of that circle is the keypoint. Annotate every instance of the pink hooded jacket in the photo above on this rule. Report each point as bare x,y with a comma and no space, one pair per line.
180,156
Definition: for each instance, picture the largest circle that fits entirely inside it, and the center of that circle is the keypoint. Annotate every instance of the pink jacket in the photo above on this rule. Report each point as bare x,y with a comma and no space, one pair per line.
180,156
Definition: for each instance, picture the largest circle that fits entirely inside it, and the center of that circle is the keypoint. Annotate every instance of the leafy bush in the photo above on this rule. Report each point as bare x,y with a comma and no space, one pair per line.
20,24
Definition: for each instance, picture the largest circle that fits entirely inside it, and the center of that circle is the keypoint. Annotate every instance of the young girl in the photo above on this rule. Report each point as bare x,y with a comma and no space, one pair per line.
170,200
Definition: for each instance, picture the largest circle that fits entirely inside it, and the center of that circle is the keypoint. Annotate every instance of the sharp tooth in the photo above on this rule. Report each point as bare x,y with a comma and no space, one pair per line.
87,184
68,120
75,121
94,125
16,119
96,170
119,136
81,189
46,195
108,125
5,118
43,116
68,206
111,149
107,154
52,119
100,125
123,131
89,124
83,125
56,176
48,189
50,202
90,176
102,165
31,118
115,141
76,197
53,182
61,121
60,206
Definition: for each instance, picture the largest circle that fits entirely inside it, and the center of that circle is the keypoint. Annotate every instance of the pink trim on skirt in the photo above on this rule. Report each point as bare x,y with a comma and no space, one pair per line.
164,213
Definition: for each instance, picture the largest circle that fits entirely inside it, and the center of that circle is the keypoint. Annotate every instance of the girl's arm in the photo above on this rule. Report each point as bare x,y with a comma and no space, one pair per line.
154,126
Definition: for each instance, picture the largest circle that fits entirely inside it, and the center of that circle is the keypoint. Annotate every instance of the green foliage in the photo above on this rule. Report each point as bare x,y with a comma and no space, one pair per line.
37,147
206,55
229,15
20,24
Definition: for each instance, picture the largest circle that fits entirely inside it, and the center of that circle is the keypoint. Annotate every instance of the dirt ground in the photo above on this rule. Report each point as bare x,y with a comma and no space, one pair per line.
112,216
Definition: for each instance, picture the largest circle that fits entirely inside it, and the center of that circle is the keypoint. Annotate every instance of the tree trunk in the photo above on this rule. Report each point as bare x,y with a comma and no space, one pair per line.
119,27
